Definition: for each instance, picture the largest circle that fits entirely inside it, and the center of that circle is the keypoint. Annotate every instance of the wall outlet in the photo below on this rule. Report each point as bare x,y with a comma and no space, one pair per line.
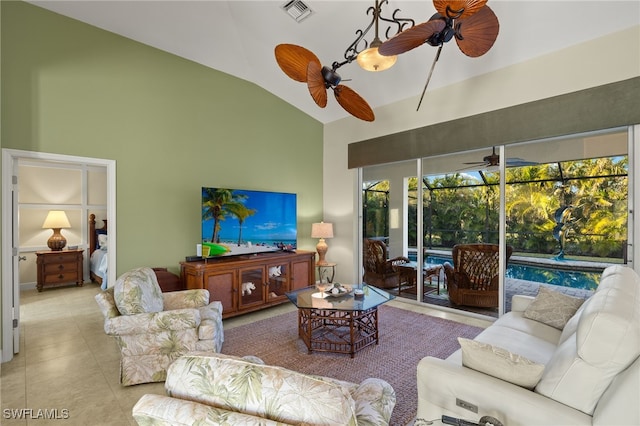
467,405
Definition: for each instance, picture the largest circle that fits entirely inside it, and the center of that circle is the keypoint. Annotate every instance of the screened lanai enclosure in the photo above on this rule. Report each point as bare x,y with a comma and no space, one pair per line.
562,208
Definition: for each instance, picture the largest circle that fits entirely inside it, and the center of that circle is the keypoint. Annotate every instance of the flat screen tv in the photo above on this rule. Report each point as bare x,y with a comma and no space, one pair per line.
238,221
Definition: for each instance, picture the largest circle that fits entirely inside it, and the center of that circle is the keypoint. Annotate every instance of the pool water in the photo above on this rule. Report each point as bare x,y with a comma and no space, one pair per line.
574,279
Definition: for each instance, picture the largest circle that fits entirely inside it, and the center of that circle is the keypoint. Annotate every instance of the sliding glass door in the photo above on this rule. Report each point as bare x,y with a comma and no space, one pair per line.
566,204
553,212
389,256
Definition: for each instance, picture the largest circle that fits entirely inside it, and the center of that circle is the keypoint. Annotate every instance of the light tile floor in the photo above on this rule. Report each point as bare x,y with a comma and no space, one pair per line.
67,369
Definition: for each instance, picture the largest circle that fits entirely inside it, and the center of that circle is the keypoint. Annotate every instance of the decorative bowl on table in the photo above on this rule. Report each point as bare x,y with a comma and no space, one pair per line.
337,290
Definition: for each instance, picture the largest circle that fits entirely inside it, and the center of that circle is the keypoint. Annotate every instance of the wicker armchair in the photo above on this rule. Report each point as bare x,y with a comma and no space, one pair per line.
473,278
378,270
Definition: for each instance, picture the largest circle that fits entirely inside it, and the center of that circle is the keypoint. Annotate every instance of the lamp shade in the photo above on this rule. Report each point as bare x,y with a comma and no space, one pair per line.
322,230
371,60
56,219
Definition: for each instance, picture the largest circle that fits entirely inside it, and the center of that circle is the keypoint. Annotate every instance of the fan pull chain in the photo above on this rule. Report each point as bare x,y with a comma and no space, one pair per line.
433,65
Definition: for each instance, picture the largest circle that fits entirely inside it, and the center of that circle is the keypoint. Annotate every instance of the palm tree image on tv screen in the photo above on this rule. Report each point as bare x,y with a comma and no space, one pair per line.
237,221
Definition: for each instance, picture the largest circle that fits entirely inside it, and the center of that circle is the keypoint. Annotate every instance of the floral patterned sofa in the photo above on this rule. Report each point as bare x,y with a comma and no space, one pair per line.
153,328
215,389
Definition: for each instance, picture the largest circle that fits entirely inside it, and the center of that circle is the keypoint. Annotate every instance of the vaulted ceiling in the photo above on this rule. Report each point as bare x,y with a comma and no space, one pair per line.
238,37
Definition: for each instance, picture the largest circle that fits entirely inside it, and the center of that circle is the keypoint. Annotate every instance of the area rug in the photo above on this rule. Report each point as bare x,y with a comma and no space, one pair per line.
405,338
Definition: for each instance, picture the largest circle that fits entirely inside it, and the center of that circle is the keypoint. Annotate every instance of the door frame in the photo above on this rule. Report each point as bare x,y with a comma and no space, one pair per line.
10,291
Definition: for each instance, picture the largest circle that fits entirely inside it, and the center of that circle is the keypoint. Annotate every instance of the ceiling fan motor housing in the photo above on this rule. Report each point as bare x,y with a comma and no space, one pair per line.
330,77
443,36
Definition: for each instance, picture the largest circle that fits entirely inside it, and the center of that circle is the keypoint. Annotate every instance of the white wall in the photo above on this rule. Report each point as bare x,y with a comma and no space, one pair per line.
605,60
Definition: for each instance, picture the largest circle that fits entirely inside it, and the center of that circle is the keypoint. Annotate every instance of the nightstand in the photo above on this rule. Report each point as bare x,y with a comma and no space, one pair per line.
58,267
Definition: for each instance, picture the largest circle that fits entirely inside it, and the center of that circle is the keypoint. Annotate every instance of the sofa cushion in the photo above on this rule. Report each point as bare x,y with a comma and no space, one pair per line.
571,326
552,307
516,341
500,363
266,391
606,341
517,321
137,291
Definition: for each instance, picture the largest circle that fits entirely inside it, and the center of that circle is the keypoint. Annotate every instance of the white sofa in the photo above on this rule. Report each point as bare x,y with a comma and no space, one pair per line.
591,369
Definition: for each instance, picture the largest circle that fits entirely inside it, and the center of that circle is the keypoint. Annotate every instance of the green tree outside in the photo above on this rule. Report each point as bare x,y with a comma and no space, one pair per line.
584,202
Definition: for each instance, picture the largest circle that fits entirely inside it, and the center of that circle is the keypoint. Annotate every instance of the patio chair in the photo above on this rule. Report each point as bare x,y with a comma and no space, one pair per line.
473,278
378,270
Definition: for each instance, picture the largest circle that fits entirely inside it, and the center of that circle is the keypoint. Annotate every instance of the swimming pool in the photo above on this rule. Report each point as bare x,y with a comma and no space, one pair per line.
575,279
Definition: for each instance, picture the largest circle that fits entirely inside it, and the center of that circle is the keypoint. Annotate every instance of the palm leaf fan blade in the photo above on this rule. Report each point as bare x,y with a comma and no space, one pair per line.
411,38
458,9
476,34
353,103
316,84
293,60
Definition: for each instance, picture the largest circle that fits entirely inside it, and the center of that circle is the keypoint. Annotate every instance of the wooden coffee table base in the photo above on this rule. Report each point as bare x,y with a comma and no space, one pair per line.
343,332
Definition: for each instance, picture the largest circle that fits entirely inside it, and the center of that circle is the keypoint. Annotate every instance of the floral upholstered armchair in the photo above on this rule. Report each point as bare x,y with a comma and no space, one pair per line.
153,328
216,389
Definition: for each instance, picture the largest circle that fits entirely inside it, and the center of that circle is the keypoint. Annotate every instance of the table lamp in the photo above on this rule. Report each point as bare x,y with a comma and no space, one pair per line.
321,230
56,220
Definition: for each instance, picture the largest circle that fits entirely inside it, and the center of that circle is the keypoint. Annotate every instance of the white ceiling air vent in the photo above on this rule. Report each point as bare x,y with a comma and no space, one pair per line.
297,9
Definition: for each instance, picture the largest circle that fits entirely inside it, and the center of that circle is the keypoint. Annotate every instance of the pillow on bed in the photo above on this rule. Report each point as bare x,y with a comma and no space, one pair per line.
103,241
98,233
137,291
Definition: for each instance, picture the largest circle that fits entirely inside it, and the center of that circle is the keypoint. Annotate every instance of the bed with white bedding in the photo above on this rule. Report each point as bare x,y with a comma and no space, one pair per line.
98,252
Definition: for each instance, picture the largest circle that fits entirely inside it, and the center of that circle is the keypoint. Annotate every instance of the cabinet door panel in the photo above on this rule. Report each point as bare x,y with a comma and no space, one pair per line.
278,281
300,272
252,286
220,286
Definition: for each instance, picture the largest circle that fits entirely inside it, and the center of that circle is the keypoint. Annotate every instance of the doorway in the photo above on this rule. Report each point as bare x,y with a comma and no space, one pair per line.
12,160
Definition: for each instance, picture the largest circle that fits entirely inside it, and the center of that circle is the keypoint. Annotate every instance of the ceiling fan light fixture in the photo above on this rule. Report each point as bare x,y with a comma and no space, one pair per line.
371,60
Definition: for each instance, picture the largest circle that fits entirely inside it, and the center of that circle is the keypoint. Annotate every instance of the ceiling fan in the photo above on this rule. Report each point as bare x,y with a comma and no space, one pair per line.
473,25
302,65
493,160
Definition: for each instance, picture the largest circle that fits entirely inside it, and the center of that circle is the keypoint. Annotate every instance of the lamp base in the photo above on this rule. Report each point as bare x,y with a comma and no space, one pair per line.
321,248
56,242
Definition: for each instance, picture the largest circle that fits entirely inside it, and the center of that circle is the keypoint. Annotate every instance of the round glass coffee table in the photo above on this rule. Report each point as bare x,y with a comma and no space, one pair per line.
340,324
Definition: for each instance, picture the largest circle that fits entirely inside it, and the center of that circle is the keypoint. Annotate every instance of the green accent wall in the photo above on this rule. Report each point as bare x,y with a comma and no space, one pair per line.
171,125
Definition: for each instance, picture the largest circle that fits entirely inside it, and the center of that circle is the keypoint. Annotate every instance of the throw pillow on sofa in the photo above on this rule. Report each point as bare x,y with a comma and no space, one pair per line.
552,308
137,291
500,363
